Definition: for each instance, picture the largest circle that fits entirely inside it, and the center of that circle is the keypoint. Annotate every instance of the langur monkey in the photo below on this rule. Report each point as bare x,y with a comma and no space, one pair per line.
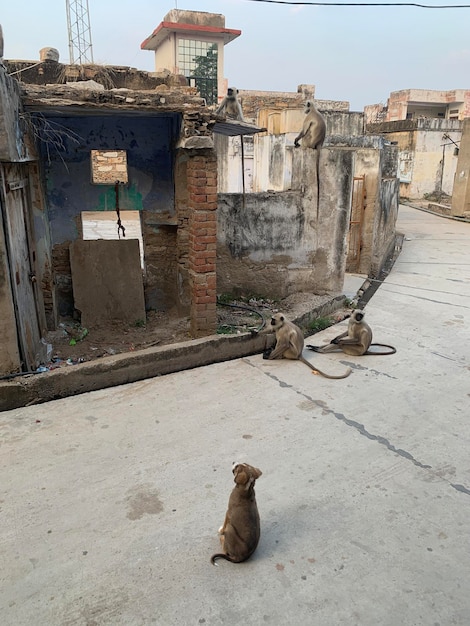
313,135
313,130
356,341
230,106
290,343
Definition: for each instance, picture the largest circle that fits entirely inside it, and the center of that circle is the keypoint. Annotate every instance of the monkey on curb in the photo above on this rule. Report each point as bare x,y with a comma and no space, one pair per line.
356,341
290,343
230,106
313,135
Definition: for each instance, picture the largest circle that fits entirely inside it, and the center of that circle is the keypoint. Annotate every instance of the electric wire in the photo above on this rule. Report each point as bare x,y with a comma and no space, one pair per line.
366,4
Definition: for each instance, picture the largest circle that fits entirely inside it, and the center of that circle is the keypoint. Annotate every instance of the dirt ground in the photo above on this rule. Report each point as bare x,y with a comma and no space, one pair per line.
71,343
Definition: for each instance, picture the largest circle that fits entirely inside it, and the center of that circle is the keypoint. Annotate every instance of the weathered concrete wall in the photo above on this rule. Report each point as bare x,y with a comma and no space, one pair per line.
257,241
427,159
461,190
343,124
258,106
338,122
229,163
277,170
268,167
384,225
435,163
273,162
377,162
277,244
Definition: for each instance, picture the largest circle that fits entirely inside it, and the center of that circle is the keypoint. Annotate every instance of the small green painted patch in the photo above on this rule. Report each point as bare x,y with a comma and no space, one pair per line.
129,199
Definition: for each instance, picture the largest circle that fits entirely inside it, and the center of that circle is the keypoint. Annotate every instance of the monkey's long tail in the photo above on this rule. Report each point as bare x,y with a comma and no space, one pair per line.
315,370
318,182
391,349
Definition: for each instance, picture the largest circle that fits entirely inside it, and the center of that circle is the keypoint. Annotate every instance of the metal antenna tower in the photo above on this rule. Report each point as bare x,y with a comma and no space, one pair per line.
78,22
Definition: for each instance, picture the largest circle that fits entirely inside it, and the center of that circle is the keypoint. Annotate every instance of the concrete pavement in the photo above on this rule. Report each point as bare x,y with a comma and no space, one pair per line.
111,500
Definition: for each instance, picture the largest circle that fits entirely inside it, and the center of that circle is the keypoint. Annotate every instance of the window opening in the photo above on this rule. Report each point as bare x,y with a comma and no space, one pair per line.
197,60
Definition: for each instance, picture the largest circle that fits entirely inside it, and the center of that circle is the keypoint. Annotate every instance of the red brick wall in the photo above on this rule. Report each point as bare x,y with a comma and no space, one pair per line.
202,202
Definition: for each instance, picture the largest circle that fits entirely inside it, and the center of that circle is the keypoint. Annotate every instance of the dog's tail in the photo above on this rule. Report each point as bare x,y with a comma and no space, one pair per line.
221,555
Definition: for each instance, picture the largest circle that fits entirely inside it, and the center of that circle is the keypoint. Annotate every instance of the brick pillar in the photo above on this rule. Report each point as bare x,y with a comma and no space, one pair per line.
202,203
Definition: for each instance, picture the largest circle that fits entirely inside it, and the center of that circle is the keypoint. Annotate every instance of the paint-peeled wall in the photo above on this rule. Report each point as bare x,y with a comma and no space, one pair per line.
427,154
67,142
376,161
461,191
66,152
277,244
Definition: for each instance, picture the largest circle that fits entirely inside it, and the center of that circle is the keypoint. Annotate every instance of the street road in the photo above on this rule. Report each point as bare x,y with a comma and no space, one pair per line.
110,501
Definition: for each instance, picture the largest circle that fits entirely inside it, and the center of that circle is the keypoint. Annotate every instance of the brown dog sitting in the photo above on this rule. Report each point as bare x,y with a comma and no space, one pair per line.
240,532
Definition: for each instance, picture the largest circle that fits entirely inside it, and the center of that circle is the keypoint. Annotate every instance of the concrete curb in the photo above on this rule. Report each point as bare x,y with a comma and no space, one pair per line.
130,367
421,208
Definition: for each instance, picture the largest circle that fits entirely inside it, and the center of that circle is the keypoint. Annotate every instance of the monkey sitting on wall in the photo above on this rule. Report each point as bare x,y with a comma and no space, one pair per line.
230,106
356,341
313,135
313,129
290,343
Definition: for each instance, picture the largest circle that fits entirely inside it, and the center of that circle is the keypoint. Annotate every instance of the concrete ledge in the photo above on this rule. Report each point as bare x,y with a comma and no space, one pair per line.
125,368
435,206
130,367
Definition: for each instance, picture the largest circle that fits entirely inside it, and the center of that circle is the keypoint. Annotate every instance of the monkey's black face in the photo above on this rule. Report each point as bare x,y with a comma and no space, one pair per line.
277,320
229,92
359,317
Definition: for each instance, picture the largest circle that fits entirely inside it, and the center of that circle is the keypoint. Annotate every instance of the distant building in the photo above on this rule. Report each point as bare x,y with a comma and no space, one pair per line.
191,43
426,125
412,104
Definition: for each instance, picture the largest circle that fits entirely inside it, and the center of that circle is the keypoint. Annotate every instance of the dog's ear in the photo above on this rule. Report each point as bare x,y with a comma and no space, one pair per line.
246,474
241,474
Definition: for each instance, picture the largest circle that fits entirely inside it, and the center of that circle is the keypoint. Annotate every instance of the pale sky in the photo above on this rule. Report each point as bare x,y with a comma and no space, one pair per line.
358,54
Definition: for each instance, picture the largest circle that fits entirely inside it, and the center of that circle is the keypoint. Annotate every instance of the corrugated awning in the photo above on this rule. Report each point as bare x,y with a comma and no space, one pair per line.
232,128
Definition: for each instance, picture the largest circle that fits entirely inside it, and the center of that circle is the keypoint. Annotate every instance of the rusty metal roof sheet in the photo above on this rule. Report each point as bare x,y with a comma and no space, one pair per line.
232,128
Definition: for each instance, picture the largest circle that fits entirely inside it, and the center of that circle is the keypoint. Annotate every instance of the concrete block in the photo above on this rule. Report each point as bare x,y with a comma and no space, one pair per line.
107,281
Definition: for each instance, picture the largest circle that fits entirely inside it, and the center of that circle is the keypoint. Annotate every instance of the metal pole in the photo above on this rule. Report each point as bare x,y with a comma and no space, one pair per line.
243,170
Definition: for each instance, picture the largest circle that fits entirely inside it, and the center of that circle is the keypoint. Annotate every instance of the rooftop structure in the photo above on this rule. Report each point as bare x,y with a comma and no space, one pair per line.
191,43
411,104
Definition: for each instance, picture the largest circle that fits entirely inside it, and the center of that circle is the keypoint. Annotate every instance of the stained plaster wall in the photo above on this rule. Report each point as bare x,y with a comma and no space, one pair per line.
148,141
427,161
274,245
461,191
377,161
278,170
268,165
